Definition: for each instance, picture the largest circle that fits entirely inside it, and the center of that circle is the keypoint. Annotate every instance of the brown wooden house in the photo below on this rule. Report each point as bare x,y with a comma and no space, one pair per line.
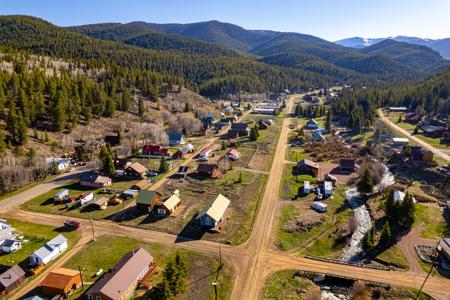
209,170
61,281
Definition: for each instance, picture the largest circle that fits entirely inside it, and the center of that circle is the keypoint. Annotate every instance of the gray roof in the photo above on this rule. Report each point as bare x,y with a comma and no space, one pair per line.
8,243
50,246
123,274
11,276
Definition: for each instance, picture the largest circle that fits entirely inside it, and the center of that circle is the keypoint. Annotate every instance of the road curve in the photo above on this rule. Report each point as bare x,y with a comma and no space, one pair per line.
422,143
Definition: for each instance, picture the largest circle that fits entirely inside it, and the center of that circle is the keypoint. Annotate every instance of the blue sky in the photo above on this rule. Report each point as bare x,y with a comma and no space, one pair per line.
329,19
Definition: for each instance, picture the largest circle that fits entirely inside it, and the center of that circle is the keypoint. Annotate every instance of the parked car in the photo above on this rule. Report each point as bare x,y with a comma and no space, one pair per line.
152,173
72,225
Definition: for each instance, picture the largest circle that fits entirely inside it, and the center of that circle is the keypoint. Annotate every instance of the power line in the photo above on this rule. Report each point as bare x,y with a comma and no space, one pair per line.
431,269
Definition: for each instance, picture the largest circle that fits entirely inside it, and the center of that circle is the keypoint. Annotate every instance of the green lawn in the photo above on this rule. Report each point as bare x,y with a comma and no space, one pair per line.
202,269
286,285
44,203
322,240
290,184
37,235
432,220
395,256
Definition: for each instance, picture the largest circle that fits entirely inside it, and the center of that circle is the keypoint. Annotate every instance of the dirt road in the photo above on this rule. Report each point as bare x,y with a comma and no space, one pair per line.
406,133
15,201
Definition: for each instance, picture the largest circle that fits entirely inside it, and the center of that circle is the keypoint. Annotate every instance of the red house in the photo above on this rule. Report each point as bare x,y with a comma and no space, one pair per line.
156,150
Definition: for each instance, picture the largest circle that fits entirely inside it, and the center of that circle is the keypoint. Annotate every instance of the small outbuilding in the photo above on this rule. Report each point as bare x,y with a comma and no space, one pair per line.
347,165
62,282
95,181
233,154
327,188
209,170
61,195
11,279
175,138
306,187
140,185
306,166
312,124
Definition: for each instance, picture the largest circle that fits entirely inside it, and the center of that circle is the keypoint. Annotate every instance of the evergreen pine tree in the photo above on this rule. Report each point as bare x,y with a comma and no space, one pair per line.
141,107
253,134
386,234
107,161
163,165
365,184
328,121
126,100
408,211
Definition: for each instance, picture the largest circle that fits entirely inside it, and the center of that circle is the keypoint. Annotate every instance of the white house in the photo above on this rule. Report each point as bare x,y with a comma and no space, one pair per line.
10,246
61,164
49,251
319,206
327,188
5,230
400,196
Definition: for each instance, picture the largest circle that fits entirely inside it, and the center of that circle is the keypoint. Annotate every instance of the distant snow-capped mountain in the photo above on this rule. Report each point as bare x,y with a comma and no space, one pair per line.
442,46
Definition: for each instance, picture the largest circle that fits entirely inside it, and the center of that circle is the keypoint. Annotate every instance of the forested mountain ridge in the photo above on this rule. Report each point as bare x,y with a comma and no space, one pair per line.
415,56
138,34
293,50
211,75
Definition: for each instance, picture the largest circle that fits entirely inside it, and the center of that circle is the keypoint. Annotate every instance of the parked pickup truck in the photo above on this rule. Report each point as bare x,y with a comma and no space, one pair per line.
72,225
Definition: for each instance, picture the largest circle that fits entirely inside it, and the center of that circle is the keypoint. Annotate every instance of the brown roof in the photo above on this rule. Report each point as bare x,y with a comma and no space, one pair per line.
11,276
122,275
206,168
60,278
309,163
138,168
141,184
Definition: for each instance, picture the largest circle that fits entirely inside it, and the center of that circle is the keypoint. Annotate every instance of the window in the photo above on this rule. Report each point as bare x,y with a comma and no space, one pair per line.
90,297
98,298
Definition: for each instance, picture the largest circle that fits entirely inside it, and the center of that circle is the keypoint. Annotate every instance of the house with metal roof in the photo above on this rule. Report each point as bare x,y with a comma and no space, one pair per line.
124,277
214,211
175,138
5,230
147,199
49,251
10,246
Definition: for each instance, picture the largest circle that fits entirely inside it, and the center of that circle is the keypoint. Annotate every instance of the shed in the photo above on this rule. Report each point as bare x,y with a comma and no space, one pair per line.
347,165
12,279
61,281
95,181
205,153
140,185
306,166
210,170
146,200
233,154
61,195
129,194
99,203
214,211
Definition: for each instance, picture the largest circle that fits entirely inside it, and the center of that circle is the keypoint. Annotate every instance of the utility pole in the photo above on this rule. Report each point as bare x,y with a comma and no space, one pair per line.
81,275
92,228
431,269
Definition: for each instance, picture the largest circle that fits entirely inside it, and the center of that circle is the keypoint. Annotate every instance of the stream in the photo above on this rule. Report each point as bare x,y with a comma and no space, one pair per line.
353,252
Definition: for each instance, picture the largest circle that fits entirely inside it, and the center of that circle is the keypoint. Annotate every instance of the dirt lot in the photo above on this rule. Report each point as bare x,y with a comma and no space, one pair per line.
194,193
333,169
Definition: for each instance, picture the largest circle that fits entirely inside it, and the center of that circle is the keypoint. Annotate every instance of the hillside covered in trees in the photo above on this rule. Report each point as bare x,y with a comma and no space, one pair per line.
431,96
